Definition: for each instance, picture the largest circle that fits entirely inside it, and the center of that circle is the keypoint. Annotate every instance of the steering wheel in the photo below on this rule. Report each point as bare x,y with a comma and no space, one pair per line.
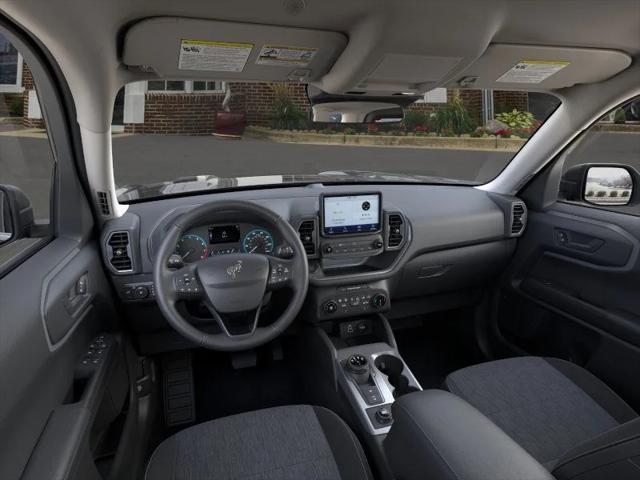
231,286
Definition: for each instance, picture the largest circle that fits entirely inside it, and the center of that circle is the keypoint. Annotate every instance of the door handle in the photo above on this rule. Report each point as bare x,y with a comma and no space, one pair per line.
79,296
577,241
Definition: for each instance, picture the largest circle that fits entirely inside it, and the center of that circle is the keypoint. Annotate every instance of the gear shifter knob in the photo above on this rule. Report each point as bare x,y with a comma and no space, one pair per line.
358,366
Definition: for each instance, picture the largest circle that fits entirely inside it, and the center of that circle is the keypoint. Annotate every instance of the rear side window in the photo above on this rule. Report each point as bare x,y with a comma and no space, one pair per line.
26,158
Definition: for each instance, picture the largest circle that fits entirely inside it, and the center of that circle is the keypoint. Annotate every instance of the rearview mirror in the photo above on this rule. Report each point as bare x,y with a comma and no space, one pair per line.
355,108
16,214
608,186
357,112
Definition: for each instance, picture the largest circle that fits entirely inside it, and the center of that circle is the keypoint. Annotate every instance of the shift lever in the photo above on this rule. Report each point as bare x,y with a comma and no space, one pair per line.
358,366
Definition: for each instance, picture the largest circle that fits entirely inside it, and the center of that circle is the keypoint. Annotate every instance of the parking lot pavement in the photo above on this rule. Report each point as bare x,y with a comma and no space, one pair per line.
152,158
26,161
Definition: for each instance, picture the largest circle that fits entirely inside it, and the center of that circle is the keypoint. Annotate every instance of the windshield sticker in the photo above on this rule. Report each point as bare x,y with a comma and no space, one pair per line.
285,56
532,71
213,56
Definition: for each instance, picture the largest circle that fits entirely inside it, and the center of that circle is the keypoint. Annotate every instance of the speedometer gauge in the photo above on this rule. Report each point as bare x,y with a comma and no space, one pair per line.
191,248
258,241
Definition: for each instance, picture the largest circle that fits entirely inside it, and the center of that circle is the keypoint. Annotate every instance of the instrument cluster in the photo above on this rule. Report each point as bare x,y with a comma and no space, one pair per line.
210,240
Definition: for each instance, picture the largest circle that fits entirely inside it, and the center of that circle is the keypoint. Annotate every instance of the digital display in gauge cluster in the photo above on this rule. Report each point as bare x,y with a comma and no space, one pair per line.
224,234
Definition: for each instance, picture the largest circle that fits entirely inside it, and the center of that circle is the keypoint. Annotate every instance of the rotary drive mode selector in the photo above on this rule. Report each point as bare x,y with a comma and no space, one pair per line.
358,366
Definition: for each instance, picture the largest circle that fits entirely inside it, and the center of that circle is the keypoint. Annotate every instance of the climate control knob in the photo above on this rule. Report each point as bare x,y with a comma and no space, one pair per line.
330,307
379,300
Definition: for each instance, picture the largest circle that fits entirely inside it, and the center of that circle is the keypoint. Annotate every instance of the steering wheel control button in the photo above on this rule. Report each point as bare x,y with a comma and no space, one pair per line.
187,284
280,273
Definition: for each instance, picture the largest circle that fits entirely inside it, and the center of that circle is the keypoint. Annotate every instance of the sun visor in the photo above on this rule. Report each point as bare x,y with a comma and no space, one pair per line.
182,48
528,67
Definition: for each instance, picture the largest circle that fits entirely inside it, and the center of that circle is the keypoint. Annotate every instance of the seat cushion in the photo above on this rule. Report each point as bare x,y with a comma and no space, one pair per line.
547,405
291,442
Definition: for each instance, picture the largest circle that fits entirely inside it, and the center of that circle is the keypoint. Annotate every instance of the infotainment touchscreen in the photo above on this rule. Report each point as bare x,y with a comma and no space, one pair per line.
349,214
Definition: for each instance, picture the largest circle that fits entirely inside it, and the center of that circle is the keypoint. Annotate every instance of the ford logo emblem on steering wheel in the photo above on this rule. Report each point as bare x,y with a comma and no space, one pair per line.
234,269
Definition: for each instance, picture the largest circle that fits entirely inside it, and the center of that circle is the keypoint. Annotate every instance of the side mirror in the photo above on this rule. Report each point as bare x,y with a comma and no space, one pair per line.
604,185
16,214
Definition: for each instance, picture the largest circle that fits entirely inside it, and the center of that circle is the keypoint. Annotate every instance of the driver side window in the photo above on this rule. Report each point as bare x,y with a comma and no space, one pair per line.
26,159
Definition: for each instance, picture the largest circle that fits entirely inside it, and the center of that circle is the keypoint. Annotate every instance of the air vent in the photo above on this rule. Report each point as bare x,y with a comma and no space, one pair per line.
103,203
518,218
120,257
307,232
396,230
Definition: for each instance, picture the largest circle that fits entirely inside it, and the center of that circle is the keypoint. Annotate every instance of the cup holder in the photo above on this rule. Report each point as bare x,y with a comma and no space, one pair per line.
393,367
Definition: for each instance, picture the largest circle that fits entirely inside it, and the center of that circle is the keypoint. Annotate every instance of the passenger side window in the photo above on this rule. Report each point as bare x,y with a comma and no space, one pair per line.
26,159
603,169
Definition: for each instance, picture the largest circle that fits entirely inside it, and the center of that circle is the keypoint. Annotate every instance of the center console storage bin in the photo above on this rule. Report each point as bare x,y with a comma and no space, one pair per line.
439,436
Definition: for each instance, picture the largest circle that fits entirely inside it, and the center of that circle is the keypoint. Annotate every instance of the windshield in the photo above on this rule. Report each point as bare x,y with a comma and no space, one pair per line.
172,137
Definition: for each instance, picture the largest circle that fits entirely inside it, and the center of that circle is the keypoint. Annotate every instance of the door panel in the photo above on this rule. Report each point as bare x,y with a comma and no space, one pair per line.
37,368
572,291
57,403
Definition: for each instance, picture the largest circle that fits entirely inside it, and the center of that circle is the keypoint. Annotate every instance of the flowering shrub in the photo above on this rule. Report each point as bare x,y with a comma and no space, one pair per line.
504,133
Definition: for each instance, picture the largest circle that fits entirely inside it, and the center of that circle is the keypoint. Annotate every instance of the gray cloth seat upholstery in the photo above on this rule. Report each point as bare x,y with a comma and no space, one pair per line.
547,405
291,442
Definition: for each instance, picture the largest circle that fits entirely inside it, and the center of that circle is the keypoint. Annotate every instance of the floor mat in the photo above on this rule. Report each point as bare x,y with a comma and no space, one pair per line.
439,345
222,391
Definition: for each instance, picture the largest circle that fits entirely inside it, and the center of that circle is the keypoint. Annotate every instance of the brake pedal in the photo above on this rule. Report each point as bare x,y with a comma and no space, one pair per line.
178,389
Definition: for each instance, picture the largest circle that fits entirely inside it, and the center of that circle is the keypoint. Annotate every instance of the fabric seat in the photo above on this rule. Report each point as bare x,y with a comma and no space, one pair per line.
291,442
547,405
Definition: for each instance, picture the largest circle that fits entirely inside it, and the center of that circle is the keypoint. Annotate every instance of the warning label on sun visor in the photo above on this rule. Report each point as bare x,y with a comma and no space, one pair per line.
213,56
285,56
532,71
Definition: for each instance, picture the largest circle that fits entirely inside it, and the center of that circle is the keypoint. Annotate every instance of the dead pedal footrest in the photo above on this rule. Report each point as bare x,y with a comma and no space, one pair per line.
178,391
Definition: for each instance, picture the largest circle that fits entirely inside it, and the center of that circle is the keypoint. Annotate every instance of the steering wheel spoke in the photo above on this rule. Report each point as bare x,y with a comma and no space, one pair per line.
226,321
280,273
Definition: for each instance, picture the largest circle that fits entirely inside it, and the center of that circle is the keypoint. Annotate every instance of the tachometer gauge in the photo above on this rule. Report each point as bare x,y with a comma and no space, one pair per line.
191,248
258,241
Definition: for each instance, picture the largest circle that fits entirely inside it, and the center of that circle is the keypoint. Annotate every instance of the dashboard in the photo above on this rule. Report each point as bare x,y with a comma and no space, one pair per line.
223,239
393,248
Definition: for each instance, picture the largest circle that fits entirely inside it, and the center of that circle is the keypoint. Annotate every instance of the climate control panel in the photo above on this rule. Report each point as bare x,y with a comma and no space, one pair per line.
366,246
353,301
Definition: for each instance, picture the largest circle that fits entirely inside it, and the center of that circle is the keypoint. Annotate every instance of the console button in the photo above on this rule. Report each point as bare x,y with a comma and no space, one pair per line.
141,292
383,414
330,306
378,244
379,300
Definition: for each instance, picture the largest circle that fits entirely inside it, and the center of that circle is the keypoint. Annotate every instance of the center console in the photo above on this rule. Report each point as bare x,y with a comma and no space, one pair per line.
373,376
368,375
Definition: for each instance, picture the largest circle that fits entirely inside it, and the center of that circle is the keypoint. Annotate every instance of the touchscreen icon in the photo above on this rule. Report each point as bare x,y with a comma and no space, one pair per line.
366,206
